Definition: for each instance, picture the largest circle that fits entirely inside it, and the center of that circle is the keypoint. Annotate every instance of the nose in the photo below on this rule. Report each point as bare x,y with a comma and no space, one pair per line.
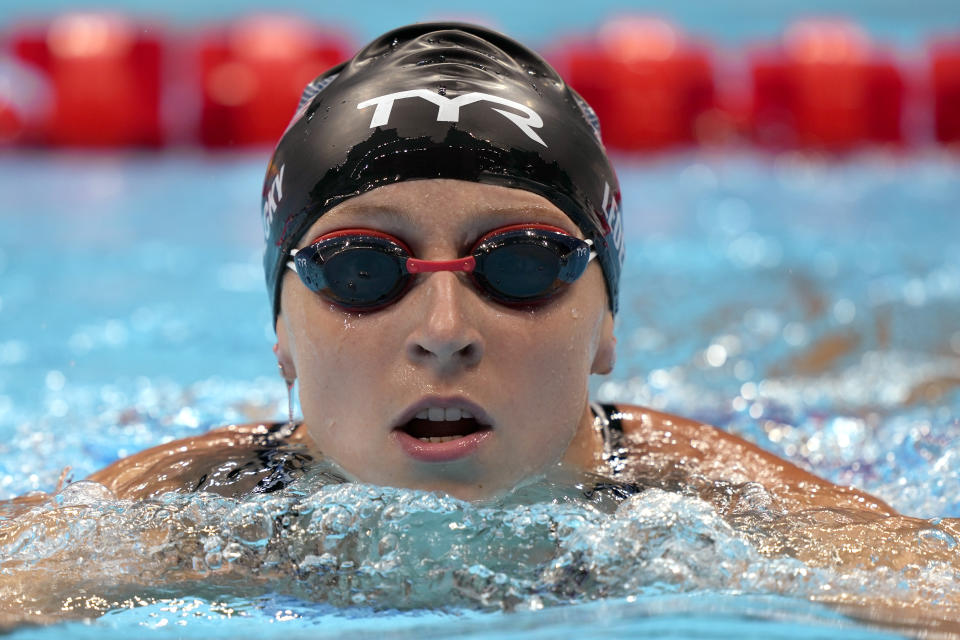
444,334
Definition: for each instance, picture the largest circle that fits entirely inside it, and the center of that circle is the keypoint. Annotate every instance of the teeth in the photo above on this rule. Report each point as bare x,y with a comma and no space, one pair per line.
439,438
441,414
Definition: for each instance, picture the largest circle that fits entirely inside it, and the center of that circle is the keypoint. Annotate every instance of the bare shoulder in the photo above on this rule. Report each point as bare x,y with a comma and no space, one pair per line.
176,465
669,442
711,450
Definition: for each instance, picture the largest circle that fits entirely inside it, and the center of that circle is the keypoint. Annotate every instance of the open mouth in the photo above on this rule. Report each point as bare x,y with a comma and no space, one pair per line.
443,432
442,424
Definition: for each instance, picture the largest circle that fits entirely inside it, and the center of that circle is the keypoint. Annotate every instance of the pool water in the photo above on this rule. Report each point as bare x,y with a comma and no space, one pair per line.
810,305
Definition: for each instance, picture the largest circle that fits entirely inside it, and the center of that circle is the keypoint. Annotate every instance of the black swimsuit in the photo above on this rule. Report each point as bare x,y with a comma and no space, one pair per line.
269,464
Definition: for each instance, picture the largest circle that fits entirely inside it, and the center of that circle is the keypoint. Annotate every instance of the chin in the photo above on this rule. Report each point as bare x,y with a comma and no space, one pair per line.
469,491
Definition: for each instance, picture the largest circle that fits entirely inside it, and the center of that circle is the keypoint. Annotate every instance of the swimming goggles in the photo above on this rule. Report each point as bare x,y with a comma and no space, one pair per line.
364,270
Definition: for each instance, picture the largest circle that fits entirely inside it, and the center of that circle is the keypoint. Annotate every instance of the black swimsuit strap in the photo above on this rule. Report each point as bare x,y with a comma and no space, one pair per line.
609,419
611,424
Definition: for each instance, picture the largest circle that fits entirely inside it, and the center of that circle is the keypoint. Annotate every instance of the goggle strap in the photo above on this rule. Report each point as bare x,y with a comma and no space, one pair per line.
290,263
593,254
314,280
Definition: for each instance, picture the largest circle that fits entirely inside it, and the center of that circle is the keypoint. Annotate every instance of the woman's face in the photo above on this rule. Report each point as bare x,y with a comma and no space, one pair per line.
445,349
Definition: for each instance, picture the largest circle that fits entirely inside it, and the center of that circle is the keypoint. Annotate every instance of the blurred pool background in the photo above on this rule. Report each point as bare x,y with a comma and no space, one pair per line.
807,301
725,21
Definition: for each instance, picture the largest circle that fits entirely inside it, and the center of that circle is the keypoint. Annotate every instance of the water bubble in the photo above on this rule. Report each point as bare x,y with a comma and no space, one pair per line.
716,355
12,352
937,538
187,417
84,493
844,311
659,378
114,333
55,380
212,543
251,525
846,430
915,293
763,322
80,343
232,552
387,544
57,407
337,519
795,334
733,215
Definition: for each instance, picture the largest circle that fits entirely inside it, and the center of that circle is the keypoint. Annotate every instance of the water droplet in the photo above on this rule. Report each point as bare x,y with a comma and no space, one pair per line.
938,538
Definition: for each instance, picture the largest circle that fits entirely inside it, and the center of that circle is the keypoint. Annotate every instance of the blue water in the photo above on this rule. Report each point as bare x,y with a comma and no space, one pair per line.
133,311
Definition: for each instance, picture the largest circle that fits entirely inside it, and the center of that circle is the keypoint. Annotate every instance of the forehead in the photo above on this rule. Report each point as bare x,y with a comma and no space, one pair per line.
442,205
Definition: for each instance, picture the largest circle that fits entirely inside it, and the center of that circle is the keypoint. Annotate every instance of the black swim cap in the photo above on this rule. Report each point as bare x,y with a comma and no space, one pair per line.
441,100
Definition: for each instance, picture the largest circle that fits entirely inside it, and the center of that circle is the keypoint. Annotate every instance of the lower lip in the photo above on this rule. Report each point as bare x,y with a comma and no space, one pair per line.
440,451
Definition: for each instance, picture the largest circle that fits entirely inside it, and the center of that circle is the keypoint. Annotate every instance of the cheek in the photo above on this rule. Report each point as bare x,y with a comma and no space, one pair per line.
545,362
335,358
556,345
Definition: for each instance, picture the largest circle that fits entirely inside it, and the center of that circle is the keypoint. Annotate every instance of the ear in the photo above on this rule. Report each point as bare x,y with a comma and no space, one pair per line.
606,355
283,352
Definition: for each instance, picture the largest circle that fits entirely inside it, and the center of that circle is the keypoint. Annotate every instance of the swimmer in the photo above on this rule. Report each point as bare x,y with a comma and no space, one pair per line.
443,253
